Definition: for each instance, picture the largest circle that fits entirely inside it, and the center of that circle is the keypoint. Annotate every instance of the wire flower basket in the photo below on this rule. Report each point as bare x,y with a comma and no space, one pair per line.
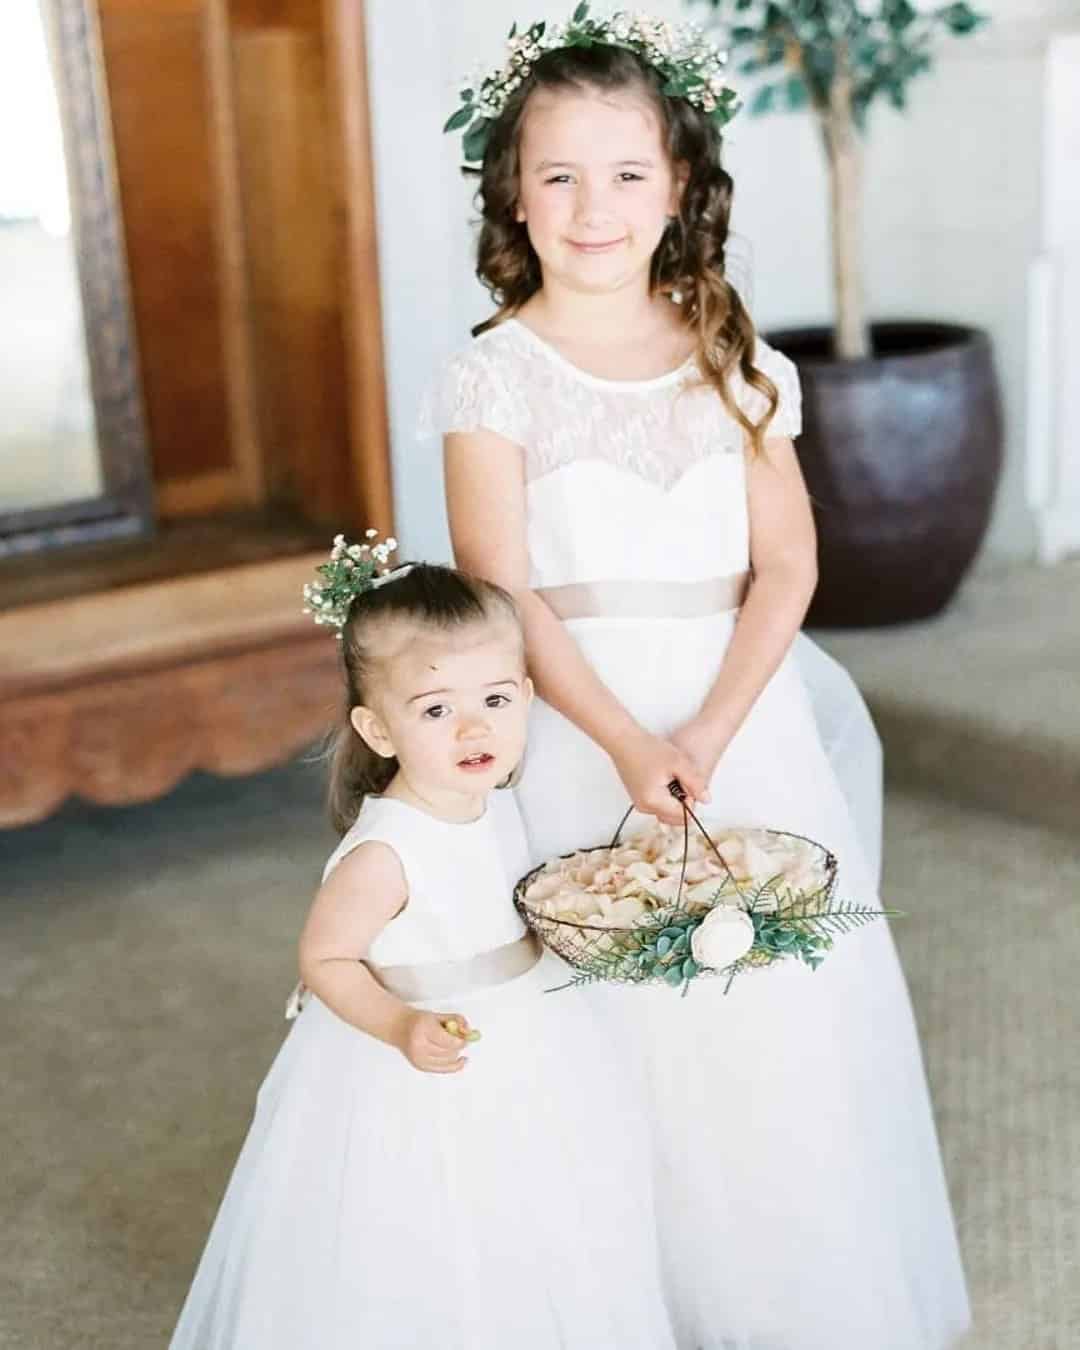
723,926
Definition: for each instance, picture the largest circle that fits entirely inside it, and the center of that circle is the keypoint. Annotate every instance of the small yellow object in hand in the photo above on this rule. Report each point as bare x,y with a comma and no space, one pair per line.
453,1026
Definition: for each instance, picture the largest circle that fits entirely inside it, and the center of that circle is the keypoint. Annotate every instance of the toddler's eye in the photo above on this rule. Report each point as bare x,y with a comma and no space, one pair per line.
497,700
436,711
558,178
628,177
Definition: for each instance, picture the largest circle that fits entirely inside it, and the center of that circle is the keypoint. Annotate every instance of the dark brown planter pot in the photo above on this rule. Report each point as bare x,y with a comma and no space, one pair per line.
902,455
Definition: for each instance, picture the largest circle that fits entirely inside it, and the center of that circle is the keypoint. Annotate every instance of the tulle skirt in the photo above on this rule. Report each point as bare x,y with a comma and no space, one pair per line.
375,1206
800,1193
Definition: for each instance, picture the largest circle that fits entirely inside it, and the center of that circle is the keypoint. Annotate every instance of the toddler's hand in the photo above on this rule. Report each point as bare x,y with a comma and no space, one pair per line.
432,1042
647,764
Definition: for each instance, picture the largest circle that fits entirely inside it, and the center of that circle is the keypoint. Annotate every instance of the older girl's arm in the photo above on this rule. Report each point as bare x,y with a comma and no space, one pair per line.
783,558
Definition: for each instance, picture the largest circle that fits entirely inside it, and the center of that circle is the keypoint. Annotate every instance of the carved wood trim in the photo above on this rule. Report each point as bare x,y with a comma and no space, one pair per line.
119,741
117,696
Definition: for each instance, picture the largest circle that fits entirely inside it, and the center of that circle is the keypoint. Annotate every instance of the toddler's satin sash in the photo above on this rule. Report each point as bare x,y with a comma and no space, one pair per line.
446,979
647,599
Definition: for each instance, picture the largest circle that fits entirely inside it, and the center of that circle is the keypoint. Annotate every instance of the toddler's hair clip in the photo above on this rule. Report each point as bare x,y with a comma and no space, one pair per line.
351,570
690,66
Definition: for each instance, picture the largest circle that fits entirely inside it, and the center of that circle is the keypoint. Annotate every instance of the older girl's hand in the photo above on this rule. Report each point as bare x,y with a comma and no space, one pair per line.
647,764
703,745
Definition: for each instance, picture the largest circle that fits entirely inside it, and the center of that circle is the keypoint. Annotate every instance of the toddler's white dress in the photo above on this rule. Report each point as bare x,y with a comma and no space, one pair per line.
801,1198
374,1207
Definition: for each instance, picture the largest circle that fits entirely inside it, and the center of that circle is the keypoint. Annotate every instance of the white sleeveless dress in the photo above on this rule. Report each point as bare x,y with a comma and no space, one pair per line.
374,1207
801,1198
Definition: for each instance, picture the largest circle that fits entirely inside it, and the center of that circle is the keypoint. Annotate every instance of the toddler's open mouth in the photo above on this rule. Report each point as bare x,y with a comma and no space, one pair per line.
479,761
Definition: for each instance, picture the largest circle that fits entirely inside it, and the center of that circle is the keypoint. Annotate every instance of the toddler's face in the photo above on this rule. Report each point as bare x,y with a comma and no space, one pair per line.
451,707
596,187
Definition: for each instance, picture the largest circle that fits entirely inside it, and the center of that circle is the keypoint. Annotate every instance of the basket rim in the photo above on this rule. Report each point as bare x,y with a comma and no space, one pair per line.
831,867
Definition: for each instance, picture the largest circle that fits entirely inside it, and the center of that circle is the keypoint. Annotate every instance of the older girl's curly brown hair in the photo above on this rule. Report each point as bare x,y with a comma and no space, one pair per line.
690,256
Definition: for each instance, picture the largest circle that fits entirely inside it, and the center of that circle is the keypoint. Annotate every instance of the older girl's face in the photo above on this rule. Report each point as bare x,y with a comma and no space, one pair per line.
596,187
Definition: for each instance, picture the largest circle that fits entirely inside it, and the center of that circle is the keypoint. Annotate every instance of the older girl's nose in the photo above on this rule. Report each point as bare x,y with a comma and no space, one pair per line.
590,203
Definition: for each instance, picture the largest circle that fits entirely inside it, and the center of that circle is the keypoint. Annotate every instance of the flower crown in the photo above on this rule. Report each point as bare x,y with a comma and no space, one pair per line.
352,570
691,66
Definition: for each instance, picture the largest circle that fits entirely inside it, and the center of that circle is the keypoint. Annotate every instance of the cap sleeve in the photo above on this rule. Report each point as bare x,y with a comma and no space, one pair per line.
472,394
787,420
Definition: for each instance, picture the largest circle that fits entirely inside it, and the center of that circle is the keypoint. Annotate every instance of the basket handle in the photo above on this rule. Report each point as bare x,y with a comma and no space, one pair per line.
679,793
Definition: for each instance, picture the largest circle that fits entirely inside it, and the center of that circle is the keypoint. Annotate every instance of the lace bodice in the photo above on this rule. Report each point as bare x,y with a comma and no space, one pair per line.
514,383
636,479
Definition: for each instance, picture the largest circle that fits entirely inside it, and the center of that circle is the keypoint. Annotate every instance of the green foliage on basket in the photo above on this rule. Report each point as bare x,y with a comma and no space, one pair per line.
658,948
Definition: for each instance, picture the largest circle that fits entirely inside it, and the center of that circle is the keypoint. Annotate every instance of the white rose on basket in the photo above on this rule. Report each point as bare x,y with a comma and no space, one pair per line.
723,936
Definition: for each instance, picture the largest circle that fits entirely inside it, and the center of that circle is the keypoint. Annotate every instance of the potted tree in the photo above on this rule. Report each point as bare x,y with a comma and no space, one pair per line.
902,442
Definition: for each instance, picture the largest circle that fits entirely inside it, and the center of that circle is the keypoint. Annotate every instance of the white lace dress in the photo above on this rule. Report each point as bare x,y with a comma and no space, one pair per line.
802,1201
374,1207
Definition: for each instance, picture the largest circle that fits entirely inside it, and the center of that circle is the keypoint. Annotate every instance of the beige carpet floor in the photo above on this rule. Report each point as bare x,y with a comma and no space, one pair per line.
980,703
145,955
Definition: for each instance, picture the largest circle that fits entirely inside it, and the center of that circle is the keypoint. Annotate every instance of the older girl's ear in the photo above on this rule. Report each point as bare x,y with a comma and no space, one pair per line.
366,724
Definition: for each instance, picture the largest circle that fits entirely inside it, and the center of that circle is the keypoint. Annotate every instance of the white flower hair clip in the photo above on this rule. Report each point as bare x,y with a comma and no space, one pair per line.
351,570
689,63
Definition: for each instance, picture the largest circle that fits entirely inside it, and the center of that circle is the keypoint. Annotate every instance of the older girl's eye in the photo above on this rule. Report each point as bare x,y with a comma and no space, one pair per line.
497,700
558,178
436,711
629,177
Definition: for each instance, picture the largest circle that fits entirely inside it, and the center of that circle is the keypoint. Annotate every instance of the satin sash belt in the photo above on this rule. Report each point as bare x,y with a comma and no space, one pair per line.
442,979
647,599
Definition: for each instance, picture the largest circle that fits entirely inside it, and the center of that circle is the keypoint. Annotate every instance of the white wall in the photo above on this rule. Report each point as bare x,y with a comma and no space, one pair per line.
952,211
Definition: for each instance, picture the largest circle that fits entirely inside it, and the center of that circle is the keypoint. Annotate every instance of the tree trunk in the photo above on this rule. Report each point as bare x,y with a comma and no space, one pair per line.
842,154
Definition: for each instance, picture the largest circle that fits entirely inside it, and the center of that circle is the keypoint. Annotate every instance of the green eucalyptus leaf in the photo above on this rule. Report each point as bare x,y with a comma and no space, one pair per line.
674,976
513,32
476,139
581,11
663,945
461,118
690,968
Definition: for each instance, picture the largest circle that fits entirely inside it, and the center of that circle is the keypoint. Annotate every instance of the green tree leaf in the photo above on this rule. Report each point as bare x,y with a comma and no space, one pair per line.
764,100
581,11
796,93
961,19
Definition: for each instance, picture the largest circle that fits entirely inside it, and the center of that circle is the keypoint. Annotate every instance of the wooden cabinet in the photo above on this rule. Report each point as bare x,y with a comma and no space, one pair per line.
243,168
243,161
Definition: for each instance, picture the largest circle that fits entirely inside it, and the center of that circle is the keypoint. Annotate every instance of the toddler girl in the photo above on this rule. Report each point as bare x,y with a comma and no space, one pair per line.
393,1192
